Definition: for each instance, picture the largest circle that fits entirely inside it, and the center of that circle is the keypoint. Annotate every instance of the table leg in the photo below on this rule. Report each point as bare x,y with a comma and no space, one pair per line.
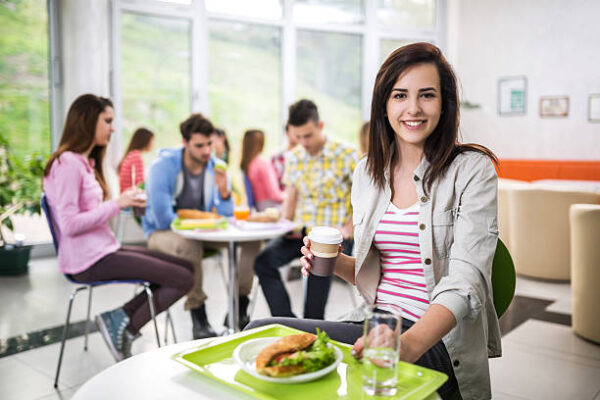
233,289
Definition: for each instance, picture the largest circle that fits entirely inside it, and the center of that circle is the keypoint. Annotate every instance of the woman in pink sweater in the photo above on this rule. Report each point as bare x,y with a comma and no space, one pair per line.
259,171
88,251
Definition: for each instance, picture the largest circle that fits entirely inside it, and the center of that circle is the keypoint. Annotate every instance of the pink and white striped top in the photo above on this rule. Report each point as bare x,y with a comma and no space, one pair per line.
402,280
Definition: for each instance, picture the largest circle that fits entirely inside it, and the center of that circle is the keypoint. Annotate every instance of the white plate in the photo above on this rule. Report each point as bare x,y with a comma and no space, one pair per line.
245,356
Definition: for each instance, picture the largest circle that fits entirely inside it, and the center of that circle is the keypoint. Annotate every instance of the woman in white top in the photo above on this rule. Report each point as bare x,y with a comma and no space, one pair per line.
425,226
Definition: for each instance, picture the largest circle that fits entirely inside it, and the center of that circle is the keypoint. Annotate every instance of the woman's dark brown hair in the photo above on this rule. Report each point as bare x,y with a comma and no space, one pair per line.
252,146
139,141
79,131
363,138
442,146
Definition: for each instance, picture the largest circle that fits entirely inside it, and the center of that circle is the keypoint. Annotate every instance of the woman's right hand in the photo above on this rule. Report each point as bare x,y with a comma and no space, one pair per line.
133,197
307,257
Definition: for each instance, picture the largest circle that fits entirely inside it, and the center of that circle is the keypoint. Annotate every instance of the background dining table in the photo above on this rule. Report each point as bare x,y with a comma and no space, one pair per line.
234,233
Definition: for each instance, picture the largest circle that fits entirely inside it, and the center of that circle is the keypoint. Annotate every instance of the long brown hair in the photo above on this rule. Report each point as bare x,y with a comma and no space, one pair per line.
252,146
139,141
79,131
442,146
363,138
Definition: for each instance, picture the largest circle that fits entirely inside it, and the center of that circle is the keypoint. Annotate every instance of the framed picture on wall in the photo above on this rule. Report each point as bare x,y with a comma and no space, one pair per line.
594,108
554,106
512,95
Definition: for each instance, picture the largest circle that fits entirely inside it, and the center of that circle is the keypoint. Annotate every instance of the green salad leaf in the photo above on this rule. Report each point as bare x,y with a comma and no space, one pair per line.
315,357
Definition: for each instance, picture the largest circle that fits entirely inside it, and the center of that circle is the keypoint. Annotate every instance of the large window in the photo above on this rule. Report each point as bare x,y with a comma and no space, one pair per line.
155,76
267,9
24,102
328,72
387,46
245,82
416,14
249,60
329,11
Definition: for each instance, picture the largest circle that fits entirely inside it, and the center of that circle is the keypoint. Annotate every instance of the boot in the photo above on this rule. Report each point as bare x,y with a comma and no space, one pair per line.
243,318
200,327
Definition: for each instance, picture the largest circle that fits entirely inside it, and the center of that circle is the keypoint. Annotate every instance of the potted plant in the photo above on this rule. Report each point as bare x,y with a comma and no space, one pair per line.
20,189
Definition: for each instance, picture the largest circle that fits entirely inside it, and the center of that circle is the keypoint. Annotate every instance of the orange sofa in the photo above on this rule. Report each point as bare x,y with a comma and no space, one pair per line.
532,170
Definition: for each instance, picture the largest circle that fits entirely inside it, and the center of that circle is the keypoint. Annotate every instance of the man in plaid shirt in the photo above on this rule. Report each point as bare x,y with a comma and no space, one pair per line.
318,179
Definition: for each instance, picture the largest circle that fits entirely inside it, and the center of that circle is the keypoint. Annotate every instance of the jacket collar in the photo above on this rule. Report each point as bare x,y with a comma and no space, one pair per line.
421,168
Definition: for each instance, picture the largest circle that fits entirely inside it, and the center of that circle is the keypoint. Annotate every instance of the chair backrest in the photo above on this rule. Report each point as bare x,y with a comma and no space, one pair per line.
50,220
503,278
249,194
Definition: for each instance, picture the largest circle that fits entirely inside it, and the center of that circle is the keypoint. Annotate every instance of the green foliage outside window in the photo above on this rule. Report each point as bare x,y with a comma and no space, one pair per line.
24,99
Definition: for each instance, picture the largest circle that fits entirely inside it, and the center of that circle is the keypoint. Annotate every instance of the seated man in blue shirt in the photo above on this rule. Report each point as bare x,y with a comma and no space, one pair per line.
186,178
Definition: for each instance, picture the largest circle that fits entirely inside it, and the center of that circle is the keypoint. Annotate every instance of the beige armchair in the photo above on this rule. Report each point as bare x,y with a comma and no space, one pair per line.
539,230
504,187
585,269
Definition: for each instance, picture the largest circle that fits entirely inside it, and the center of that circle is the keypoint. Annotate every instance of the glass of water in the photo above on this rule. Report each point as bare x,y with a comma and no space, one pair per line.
381,352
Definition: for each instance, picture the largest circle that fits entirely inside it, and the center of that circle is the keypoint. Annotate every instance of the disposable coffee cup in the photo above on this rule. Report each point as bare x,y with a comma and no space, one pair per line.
324,244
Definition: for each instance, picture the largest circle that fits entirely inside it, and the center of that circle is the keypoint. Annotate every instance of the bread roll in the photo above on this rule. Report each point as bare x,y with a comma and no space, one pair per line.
195,214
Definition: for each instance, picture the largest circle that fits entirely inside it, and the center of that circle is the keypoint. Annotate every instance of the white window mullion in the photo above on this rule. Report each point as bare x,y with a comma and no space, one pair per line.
115,74
370,58
57,105
288,60
200,56
440,24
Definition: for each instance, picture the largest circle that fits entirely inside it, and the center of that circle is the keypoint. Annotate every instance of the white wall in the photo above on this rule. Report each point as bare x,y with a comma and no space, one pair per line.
556,45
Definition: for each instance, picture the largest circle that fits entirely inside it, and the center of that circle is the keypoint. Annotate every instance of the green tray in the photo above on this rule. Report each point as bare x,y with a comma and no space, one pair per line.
215,361
220,224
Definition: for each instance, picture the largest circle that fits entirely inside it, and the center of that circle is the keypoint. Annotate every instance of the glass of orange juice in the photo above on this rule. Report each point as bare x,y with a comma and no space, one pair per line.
241,213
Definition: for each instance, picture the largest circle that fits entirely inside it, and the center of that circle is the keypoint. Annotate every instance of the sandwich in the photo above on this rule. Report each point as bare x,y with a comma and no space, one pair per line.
196,214
295,354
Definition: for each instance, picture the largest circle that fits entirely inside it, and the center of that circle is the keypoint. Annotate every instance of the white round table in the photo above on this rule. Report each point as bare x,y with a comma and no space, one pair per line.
238,231
154,375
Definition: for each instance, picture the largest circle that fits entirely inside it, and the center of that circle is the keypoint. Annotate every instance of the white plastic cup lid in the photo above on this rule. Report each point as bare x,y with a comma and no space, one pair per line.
325,235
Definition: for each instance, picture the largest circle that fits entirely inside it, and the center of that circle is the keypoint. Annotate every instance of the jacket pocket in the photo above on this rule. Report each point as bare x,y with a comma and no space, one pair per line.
357,221
443,232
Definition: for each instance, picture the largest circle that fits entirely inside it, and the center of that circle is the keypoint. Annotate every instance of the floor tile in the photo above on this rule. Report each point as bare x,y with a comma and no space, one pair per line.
563,306
78,365
553,338
543,289
61,394
20,381
533,375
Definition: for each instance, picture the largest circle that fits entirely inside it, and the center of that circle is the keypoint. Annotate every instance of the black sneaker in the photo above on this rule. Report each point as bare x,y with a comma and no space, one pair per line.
111,325
200,326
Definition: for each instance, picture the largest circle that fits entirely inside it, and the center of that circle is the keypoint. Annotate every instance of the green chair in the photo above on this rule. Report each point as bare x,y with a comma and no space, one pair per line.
503,281
503,278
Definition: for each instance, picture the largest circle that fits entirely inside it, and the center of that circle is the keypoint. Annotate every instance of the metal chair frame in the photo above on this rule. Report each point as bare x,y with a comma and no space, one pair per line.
90,286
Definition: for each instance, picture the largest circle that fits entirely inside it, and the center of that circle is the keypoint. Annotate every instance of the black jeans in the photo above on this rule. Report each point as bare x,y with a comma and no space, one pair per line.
277,253
170,279
436,357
